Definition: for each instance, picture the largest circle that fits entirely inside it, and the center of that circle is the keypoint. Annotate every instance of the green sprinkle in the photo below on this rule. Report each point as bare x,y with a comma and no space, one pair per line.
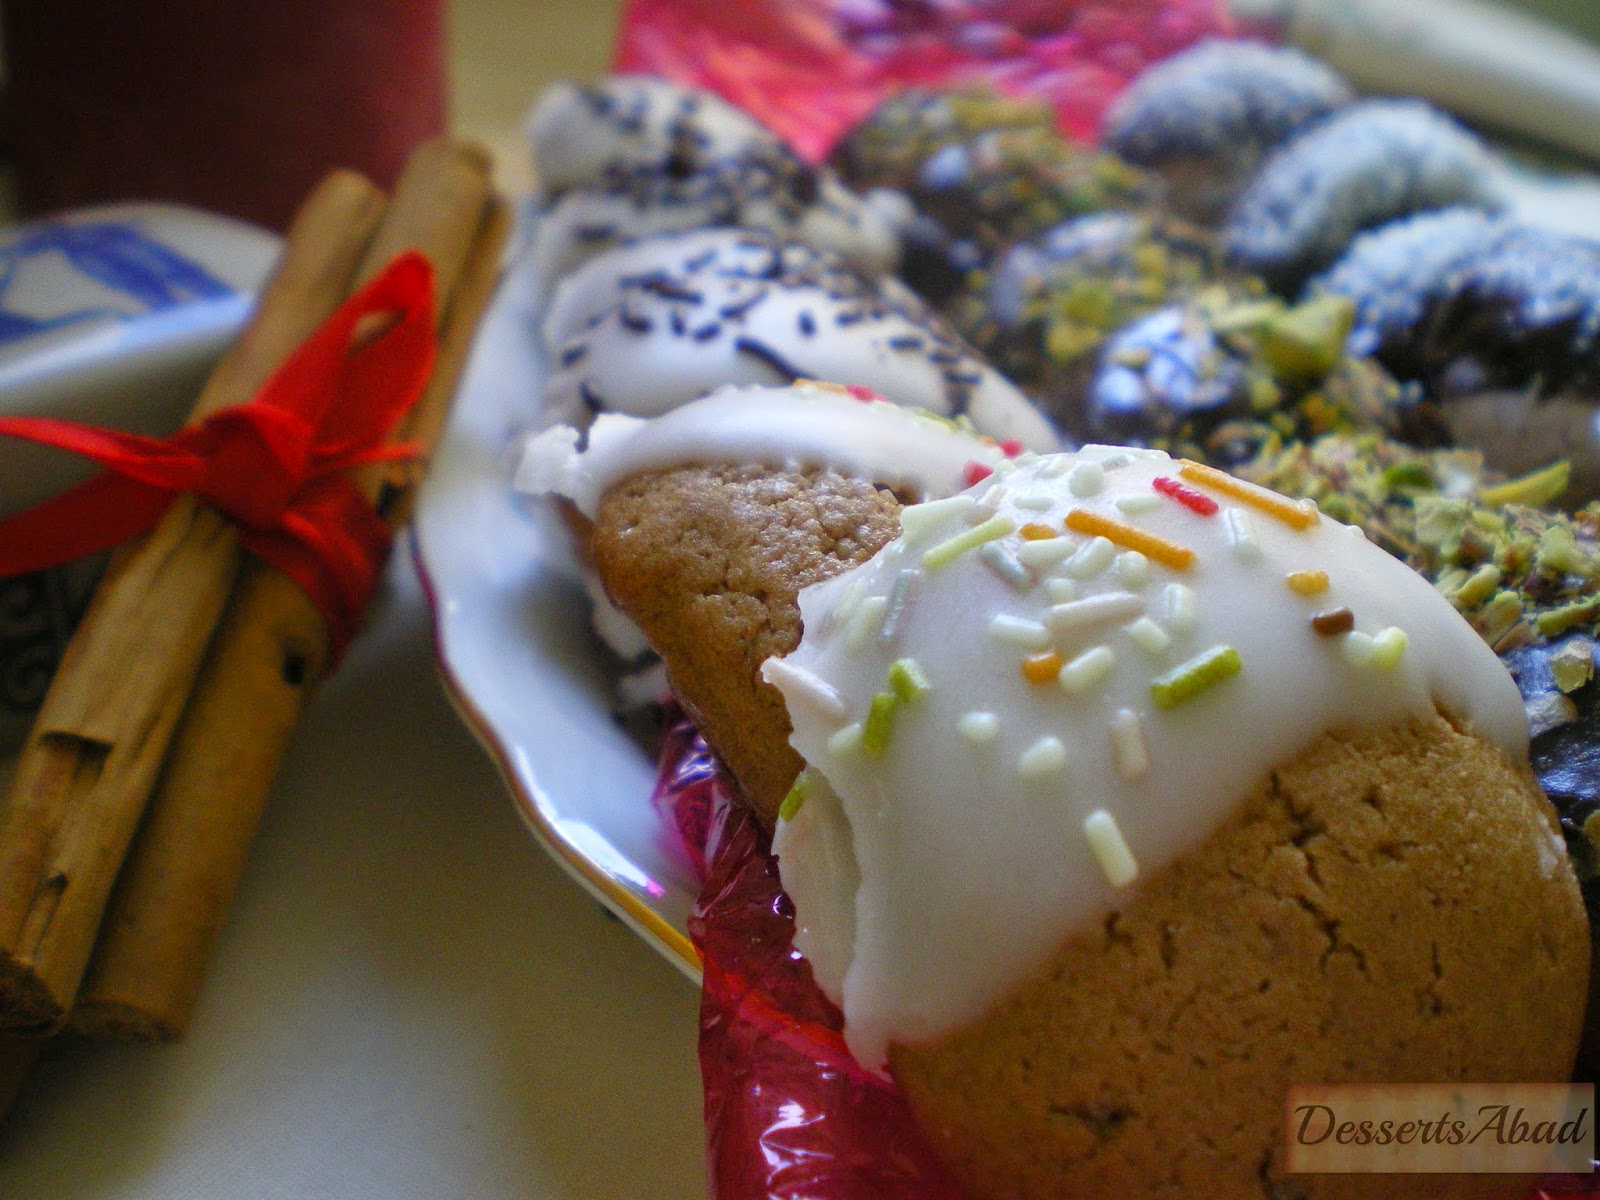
969,539
795,797
1538,488
879,724
1304,342
907,680
1572,666
1496,618
1478,586
1189,679
1387,647
1408,476
1558,553
1558,620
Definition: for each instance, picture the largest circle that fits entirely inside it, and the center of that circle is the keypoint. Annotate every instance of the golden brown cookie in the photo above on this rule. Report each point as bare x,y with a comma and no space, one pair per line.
1383,908
708,561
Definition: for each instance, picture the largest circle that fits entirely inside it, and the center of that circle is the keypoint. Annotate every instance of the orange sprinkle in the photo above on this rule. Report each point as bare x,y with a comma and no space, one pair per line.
1033,531
1158,549
1041,668
1307,583
1295,514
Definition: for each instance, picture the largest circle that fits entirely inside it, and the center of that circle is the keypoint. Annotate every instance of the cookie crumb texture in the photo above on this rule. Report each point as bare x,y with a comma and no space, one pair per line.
709,562
1389,906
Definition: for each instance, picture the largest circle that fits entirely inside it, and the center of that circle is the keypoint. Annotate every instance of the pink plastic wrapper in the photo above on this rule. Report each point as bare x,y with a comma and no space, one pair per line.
789,1114
811,69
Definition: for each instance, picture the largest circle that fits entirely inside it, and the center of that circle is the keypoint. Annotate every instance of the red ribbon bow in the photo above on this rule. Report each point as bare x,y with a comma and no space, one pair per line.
275,465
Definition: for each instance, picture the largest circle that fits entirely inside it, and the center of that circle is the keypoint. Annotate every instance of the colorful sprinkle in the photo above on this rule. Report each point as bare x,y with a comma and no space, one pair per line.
1242,535
1133,568
1088,671
1093,557
1018,631
1093,610
1010,447
1167,553
1307,583
1006,566
952,548
1195,501
1087,479
979,728
918,519
875,730
907,680
1388,645
795,797
1297,514
1149,637
1110,848
975,473
1041,668
1035,531
1334,622
1044,757
802,684
1128,749
1188,680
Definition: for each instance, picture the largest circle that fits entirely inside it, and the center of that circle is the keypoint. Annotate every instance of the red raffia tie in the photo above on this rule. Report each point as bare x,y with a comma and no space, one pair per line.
276,465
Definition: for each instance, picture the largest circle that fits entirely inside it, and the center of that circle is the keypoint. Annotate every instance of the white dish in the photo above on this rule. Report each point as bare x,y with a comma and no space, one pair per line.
511,628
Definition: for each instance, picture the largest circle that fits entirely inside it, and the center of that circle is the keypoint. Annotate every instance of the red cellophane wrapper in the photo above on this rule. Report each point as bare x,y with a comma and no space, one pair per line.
789,1114
811,69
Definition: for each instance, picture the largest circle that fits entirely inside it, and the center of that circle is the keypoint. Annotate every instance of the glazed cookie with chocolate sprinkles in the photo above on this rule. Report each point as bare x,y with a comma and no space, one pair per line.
1365,165
648,327
1204,117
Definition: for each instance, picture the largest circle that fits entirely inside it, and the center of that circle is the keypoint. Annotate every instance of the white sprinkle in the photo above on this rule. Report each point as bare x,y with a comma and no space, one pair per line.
1178,607
918,519
845,741
1060,590
1034,501
1087,671
1110,849
803,685
841,612
1112,461
1046,552
1357,648
979,727
1093,610
1149,637
1128,746
1087,479
980,512
1019,631
1005,565
866,621
1242,534
1133,569
1044,757
1357,532
994,497
1054,466
1139,502
897,602
1091,559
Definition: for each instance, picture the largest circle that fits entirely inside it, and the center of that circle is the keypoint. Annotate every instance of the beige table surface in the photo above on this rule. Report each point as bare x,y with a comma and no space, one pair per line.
411,1000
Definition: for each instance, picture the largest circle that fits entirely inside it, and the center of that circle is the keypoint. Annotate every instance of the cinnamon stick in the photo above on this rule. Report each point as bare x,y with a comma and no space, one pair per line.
86,771
269,654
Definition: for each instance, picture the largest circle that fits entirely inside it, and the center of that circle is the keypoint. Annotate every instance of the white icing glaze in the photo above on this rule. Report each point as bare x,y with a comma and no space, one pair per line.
806,425
579,132
934,878
647,327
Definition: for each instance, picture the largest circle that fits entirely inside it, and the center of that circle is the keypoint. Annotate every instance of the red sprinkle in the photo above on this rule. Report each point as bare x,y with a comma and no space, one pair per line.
1185,495
862,393
976,472
1011,447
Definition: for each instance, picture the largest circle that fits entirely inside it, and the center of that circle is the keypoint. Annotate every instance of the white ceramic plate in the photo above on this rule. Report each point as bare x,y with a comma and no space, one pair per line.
517,655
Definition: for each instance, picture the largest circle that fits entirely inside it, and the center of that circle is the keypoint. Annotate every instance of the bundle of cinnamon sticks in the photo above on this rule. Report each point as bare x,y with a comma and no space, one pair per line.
125,828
